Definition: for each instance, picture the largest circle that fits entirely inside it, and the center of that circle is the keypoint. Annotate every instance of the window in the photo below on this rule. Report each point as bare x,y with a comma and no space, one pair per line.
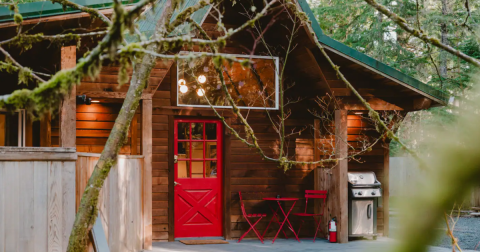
12,128
253,87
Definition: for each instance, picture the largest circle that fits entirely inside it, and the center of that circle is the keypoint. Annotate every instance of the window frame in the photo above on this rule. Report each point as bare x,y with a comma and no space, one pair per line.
277,85
22,124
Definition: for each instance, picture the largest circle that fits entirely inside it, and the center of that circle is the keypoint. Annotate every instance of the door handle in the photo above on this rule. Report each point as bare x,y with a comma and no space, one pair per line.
175,159
175,183
369,211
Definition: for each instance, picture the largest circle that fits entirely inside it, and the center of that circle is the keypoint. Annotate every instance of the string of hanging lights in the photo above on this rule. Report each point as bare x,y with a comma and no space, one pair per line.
182,84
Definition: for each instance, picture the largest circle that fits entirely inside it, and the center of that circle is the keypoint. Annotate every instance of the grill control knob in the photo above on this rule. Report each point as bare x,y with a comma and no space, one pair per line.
359,193
373,193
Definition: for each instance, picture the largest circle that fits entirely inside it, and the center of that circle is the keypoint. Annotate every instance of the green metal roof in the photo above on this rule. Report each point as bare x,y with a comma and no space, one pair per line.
369,61
47,8
147,26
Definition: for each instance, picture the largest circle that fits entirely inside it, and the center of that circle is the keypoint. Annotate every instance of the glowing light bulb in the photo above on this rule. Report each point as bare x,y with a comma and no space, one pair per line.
202,79
181,82
183,89
200,92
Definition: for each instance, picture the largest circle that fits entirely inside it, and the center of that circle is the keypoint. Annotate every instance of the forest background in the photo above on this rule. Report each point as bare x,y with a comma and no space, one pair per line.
454,22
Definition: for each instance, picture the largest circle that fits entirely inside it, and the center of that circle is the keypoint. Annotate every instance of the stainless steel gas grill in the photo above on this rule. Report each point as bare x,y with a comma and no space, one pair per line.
362,204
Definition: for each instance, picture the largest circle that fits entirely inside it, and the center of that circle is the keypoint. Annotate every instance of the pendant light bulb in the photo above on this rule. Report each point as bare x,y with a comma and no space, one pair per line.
200,92
183,89
182,82
202,79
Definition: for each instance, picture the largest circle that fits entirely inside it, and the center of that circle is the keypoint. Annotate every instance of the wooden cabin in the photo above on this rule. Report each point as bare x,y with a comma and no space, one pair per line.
175,138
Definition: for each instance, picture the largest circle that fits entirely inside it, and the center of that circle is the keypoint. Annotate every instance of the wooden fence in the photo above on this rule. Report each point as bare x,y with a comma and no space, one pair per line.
406,177
120,199
37,206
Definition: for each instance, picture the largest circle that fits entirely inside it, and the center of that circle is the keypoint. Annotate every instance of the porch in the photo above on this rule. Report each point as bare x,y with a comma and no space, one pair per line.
282,245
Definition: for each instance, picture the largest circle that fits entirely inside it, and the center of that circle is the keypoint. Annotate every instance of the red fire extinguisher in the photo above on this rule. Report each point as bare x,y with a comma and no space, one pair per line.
332,230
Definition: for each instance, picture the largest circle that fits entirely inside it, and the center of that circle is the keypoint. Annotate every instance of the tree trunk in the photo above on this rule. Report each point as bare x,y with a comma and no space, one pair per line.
87,212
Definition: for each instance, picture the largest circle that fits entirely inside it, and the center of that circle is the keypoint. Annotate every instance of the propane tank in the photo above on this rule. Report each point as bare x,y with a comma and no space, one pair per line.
332,230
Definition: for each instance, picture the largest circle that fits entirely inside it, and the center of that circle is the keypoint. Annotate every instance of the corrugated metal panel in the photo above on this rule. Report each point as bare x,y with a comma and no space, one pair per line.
47,8
371,62
147,24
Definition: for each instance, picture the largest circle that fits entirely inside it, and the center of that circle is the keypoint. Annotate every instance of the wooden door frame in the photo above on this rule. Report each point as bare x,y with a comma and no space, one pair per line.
226,197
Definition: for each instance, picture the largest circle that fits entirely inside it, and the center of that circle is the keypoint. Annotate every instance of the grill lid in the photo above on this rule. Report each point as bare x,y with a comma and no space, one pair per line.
363,179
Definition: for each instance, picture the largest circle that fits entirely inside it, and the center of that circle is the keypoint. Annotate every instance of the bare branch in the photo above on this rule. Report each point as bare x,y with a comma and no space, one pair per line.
420,34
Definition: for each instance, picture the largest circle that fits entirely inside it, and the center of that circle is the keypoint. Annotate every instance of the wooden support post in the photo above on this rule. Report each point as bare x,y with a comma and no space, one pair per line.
386,191
68,110
46,131
28,131
340,176
316,156
134,135
147,173
171,179
227,192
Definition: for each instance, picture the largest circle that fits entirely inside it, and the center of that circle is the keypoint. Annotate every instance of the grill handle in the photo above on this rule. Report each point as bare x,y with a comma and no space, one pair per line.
369,211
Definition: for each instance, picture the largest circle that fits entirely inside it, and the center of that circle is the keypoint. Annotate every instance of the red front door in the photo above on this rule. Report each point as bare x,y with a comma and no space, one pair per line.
198,177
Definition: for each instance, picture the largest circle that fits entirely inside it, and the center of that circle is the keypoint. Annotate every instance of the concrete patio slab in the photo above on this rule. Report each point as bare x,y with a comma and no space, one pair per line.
282,245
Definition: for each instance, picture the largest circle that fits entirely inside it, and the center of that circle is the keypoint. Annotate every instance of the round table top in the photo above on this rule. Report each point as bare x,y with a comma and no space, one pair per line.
281,199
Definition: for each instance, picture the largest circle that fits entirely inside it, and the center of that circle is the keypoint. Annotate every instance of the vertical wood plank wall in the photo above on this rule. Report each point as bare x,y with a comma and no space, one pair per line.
120,200
93,125
374,160
37,198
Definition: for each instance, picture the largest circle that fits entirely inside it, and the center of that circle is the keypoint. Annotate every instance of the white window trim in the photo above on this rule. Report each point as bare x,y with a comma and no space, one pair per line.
277,89
21,126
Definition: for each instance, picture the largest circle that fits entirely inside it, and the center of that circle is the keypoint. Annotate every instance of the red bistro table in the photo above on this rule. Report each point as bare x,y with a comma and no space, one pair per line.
277,220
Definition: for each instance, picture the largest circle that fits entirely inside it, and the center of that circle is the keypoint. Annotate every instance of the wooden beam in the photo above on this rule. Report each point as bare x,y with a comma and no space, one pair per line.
28,131
340,176
66,16
318,69
107,94
316,156
134,135
68,108
386,191
227,193
421,103
171,179
352,103
46,131
147,173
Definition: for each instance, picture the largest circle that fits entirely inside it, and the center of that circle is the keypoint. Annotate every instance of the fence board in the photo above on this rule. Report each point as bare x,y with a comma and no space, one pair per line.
34,199
120,202
40,171
2,205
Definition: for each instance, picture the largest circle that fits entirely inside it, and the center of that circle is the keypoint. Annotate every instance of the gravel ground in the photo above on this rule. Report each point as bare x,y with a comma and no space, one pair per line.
467,230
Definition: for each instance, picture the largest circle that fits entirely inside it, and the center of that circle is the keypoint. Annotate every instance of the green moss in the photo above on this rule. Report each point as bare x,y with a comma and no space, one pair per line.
17,18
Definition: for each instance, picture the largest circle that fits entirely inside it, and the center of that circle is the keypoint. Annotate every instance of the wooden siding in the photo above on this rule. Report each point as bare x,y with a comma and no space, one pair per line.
37,207
120,200
358,128
94,123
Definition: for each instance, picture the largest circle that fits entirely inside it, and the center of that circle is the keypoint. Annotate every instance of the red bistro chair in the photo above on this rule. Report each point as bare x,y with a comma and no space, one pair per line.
246,216
313,194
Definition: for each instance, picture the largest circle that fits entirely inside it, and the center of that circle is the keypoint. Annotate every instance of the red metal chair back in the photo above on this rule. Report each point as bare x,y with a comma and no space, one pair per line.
315,194
242,205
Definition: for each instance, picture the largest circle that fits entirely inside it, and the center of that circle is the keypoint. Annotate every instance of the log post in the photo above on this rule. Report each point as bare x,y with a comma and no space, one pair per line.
340,176
68,110
147,173
386,190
